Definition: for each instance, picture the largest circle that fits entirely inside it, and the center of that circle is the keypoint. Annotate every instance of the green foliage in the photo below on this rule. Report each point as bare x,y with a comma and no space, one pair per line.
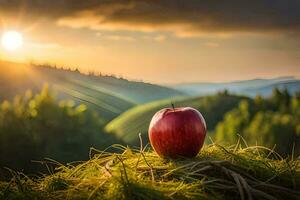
234,122
271,121
216,173
34,127
271,129
136,120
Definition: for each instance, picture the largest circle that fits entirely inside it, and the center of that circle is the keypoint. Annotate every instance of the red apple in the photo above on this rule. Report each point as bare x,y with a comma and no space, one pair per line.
177,132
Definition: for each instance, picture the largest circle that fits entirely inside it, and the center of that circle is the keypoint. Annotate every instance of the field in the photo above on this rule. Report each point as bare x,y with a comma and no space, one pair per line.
216,173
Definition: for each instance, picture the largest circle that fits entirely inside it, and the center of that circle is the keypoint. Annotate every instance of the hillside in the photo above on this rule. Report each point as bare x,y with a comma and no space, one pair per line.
246,87
106,94
132,91
216,173
137,119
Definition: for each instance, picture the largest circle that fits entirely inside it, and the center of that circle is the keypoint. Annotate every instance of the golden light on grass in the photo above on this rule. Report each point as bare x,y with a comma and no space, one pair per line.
12,40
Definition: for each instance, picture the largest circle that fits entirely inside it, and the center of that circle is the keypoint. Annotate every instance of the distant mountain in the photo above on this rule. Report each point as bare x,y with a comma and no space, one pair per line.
292,86
107,94
247,87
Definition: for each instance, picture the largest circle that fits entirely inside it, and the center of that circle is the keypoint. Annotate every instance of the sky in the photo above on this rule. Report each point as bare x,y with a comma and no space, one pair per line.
159,41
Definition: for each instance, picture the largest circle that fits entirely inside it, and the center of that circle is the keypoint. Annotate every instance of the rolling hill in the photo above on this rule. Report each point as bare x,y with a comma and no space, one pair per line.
107,94
136,120
250,88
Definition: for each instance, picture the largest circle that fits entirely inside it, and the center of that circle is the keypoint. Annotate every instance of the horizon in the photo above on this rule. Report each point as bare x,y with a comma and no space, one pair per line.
166,84
159,42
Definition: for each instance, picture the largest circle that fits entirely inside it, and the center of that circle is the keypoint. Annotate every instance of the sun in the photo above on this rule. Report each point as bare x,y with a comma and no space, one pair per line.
12,40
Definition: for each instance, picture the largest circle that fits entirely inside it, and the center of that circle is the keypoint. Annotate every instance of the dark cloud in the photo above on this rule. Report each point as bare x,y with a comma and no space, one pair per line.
181,16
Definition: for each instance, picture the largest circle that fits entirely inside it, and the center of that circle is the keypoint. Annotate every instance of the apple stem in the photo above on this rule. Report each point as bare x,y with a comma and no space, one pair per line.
173,106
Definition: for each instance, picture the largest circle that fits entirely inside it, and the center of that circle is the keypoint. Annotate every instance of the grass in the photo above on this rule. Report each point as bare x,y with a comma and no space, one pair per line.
216,173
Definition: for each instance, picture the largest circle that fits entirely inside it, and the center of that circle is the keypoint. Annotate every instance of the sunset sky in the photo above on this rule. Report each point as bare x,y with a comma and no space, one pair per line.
160,41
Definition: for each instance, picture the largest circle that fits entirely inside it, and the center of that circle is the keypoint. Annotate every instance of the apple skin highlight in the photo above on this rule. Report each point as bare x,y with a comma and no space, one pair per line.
177,132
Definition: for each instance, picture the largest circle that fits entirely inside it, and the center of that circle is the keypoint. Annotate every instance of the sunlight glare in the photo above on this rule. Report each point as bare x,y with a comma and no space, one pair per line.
12,40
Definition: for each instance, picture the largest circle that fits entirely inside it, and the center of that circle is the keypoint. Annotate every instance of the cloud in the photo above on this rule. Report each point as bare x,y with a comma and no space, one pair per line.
119,37
185,18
